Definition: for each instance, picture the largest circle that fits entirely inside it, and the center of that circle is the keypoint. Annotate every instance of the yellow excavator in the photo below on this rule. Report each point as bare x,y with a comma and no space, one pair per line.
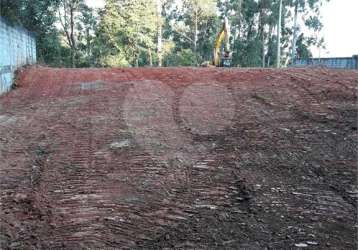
222,59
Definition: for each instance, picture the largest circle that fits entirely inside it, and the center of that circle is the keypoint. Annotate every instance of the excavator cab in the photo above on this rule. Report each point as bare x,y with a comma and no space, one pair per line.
226,59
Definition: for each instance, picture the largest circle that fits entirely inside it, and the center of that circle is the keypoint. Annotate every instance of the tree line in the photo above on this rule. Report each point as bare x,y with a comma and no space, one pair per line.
136,33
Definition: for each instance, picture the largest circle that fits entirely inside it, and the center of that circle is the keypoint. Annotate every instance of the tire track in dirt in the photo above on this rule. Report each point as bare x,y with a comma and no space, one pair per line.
264,181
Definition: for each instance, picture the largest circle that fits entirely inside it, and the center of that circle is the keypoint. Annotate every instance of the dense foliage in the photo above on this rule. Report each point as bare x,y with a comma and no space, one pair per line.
165,32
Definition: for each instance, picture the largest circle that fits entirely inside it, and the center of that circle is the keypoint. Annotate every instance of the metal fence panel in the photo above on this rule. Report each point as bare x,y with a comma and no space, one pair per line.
17,48
334,62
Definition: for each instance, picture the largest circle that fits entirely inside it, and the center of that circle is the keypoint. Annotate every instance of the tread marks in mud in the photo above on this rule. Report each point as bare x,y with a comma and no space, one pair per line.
264,181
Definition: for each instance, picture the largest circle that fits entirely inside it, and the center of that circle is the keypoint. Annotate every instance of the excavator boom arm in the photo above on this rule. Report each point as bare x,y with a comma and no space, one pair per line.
223,36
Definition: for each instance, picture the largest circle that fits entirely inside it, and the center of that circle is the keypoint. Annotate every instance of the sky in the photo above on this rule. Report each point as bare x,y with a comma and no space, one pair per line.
95,3
339,17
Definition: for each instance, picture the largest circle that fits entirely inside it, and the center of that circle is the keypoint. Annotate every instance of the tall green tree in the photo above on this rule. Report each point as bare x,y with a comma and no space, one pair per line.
311,9
255,28
195,25
128,29
196,13
68,15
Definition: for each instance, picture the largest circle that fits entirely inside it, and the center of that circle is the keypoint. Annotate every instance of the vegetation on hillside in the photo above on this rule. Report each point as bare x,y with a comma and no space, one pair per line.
166,32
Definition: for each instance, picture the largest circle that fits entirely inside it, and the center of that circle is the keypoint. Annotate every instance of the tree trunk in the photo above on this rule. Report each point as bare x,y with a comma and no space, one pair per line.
89,49
137,61
262,31
278,58
72,35
239,10
263,51
294,39
196,31
150,57
270,35
160,30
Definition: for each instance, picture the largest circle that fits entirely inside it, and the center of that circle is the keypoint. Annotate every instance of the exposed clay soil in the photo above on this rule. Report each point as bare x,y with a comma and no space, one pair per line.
281,175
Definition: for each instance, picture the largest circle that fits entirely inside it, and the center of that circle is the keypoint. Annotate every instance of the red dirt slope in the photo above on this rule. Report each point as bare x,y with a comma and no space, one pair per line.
179,158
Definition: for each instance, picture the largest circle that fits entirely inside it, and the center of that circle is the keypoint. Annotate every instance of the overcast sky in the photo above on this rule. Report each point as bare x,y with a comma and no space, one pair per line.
340,19
95,3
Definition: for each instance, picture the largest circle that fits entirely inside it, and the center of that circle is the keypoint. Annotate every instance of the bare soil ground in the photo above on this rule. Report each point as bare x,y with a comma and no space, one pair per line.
150,158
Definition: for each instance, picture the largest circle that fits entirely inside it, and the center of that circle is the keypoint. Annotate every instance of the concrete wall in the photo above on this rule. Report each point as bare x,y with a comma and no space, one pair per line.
17,48
335,62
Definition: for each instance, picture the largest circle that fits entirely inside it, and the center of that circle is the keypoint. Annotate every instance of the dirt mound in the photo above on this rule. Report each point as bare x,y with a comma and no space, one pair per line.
179,158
